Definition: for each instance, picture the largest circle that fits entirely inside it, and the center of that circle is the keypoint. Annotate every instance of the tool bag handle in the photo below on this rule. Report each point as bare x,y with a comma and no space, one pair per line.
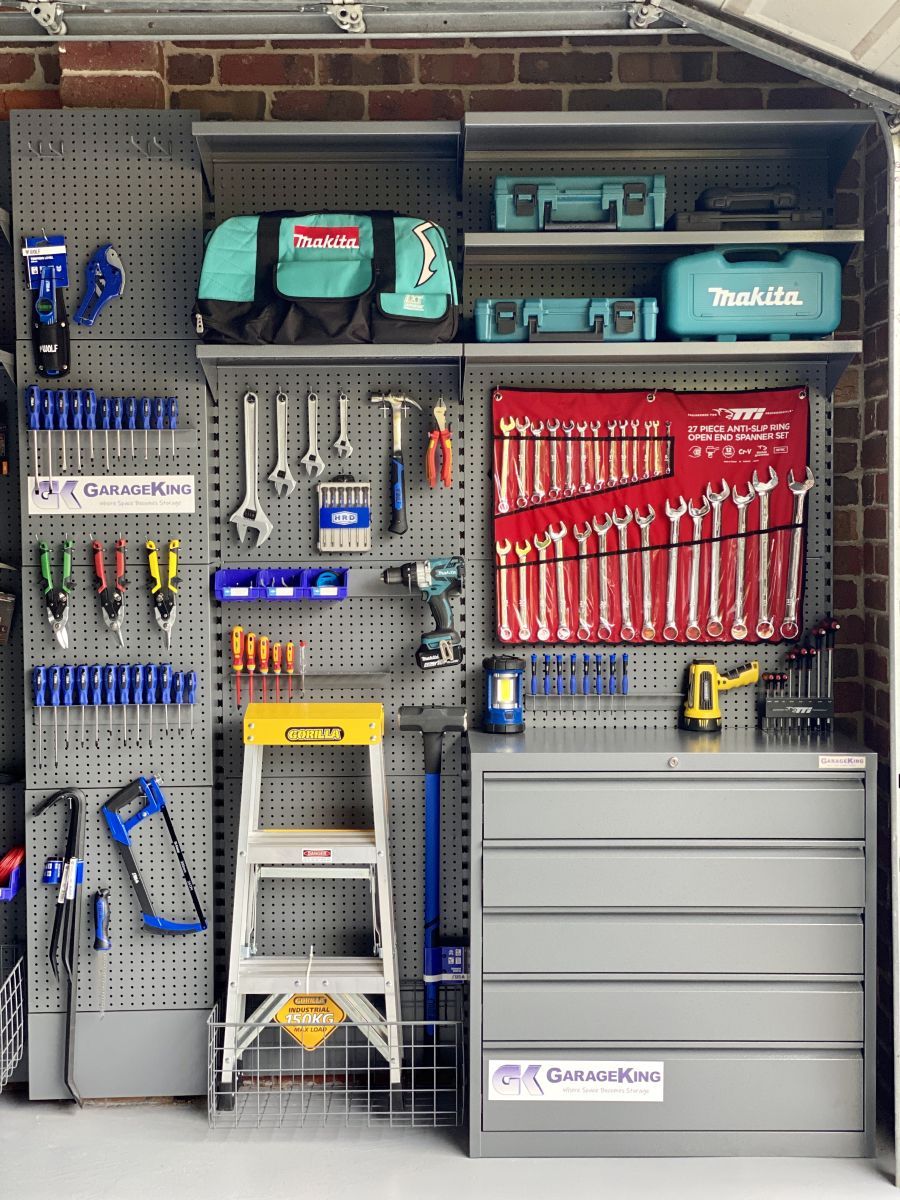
739,254
384,263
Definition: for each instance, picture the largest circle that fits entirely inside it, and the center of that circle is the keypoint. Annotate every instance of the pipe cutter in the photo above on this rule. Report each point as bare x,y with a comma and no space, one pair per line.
105,282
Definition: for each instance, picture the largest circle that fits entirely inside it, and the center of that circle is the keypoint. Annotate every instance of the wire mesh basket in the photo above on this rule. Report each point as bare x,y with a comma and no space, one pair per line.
12,1011
346,1080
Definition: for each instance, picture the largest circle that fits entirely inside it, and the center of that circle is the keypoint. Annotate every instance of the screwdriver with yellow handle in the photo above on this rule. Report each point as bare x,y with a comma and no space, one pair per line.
165,609
264,646
237,658
276,669
250,644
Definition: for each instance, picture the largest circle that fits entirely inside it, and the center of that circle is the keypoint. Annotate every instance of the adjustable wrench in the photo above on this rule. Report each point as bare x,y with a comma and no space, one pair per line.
624,456
714,627
648,630
765,627
552,450
537,479
568,429
249,513
613,473
604,625
342,445
311,460
670,629
522,428
598,462
798,488
507,425
542,544
627,631
583,485
693,631
523,549
739,623
584,625
563,632
281,477
503,549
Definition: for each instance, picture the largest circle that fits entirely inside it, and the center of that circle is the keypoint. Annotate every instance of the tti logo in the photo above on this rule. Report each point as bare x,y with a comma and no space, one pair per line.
511,1080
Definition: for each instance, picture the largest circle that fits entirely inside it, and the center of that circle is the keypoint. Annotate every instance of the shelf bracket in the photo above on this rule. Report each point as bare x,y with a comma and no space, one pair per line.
643,15
349,18
48,15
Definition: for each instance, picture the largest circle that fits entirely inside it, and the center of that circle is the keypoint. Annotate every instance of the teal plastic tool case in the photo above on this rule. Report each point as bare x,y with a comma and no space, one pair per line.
752,291
581,204
565,320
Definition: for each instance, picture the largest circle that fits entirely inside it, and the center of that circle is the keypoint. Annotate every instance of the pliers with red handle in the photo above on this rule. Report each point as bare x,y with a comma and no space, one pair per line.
112,599
443,437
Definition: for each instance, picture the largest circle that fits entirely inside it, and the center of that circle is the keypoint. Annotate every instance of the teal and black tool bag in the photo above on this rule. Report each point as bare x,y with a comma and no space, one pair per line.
285,279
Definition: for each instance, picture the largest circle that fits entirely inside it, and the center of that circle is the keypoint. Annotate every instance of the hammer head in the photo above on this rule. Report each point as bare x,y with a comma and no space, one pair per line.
395,403
431,718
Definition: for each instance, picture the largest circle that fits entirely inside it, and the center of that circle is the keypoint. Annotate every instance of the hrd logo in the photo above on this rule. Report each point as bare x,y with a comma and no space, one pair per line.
322,237
344,517
511,1079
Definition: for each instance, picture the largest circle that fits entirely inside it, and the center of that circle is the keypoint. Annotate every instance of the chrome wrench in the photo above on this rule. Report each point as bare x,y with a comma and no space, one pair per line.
714,626
604,625
598,461
522,428
563,632
342,445
627,631
552,449
503,550
311,459
584,627
693,631
537,479
765,627
624,456
523,549
613,473
584,447
249,513
568,429
542,544
648,629
281,477
507,425
648,425
798,488
670,629
739,623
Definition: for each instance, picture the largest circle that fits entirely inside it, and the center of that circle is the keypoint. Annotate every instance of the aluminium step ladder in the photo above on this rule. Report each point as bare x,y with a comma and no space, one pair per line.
299,854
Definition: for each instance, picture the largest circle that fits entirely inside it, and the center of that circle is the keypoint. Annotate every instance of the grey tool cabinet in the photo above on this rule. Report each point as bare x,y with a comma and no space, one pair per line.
698,910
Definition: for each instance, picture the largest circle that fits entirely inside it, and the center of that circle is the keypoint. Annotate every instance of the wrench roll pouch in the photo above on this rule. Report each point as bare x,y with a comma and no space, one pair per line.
293,278
650,517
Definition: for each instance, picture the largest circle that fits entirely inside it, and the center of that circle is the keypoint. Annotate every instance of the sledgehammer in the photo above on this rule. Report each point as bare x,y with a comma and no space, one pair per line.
432,722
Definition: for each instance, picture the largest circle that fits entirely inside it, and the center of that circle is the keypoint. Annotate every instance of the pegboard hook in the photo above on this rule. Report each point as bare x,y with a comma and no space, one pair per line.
152,148
50,152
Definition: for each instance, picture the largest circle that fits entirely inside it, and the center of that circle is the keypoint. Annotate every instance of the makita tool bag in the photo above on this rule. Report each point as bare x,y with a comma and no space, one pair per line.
752,291
326,277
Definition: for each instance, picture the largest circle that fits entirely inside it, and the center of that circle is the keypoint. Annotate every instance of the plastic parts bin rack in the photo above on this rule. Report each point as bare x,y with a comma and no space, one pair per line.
289,583
584,204
567,320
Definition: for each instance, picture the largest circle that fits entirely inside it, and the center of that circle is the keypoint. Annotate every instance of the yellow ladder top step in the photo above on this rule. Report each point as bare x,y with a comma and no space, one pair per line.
314,724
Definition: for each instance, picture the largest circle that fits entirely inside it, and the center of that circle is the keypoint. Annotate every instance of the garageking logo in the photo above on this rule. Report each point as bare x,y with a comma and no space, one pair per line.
314,733
322,237
772,297
567,1080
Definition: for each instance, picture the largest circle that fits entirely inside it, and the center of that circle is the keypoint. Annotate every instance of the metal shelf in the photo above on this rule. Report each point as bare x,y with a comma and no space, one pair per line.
483,249
212,358
835,354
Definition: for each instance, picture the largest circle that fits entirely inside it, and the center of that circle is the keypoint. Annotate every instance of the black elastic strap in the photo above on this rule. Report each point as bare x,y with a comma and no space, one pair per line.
384,258
267,235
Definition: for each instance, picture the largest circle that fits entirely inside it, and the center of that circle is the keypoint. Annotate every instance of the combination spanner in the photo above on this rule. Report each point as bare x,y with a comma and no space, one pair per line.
670,629
507,425
627,631
249,514
584,448
537,481
504,549
798,488
714,626
613,470
523,549
563,632
553,451
542,543
584,626
598,461
765,627
312,459
739,622
648,629
281,477
692,630
568,429
522,428
604,625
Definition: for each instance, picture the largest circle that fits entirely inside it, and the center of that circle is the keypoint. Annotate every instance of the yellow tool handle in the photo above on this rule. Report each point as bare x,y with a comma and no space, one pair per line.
153,564
174,545
749,673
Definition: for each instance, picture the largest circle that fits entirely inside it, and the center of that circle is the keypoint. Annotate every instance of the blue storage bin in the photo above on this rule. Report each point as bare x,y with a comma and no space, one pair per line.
566,320
579,203
752,291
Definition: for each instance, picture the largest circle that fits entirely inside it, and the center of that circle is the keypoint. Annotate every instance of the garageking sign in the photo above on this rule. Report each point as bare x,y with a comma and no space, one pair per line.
71,495
572,1079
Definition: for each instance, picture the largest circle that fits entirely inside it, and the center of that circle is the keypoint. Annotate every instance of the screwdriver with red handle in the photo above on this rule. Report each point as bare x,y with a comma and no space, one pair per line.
276,669
264,666
237,658
250,646
289,667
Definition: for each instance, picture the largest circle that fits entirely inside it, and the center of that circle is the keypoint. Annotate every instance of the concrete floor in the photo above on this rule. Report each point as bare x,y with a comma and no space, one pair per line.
167,1152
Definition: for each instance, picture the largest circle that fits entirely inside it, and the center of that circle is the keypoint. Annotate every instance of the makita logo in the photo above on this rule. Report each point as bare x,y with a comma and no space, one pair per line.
773,297
321,237
740,414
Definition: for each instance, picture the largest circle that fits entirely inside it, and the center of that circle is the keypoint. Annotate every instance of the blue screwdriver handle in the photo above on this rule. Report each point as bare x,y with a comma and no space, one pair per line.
159,410
178,686
560,676
534,683
54,686
124,674
104,412
117,405
131,407
191,684
165,683
81,683
173,412
90,408
613,681
586,675
39,684
624,674
151,683
598,674
146,412
546,674
95,678
62,409
47,408
33,407
137,684
76,401
68,686
109,684
102,940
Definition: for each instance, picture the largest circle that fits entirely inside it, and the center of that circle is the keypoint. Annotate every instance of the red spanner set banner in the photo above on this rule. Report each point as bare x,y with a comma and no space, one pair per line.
650,517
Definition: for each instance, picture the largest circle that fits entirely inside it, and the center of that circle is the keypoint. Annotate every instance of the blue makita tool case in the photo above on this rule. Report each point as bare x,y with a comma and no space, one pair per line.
752,291
583,204
565,320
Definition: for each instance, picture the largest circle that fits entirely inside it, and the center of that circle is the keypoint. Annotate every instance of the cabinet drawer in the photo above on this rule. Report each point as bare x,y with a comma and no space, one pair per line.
664,943
702,1090
572,1010
672,877
672,806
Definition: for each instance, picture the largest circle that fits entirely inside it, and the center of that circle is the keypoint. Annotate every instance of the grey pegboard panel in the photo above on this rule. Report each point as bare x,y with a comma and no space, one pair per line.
161,368
185,757
7,294
653,669
433,525
12,833
147,970
129,177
